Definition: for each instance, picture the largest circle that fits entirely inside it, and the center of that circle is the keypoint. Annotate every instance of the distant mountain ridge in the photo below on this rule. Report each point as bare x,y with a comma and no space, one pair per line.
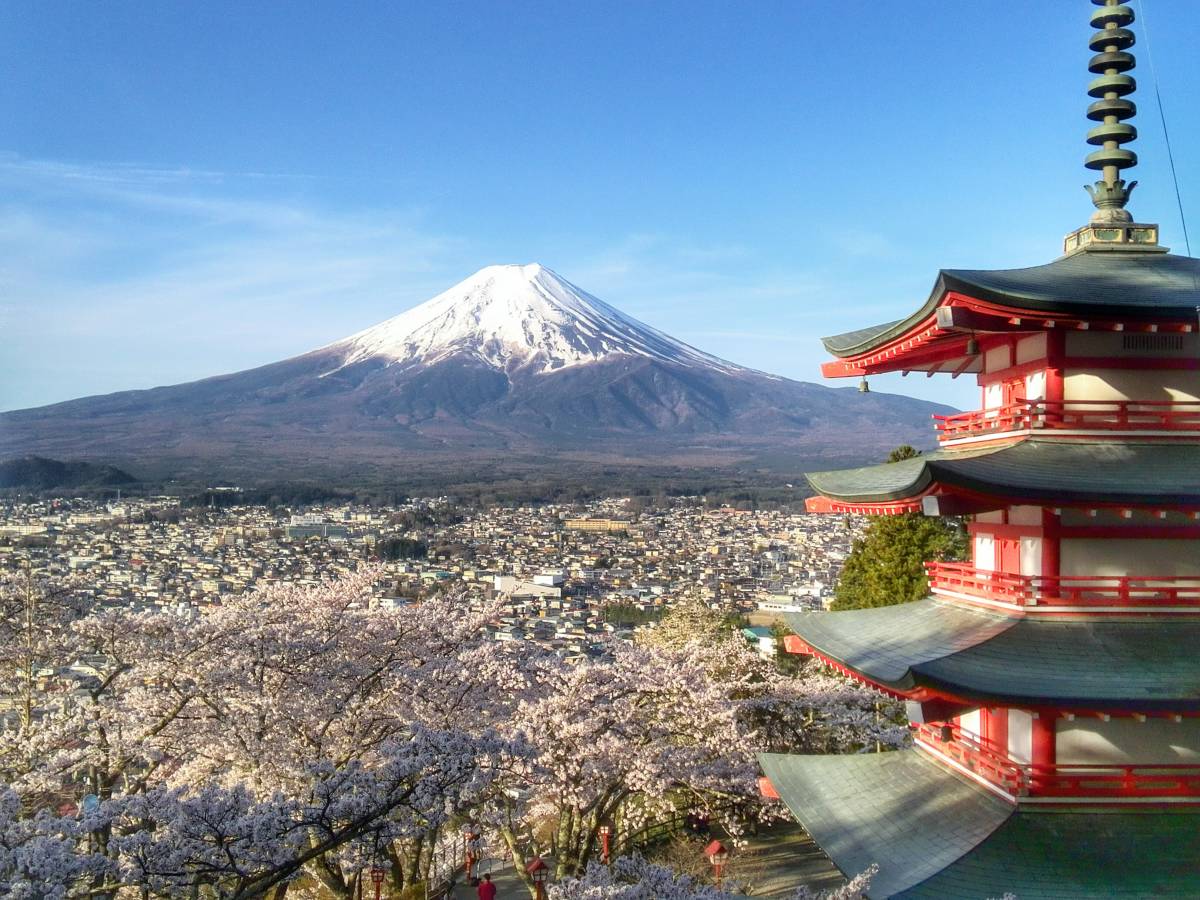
514,364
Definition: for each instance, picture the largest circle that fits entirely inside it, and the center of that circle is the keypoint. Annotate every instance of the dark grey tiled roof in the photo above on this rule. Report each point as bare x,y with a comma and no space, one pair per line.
1125,664
1055,855
1050,470
886,643
1161,284
887,481
898,810
1124,285
845,344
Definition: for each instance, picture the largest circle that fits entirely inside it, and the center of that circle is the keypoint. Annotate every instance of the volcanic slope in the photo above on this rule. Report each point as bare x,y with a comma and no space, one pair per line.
514,363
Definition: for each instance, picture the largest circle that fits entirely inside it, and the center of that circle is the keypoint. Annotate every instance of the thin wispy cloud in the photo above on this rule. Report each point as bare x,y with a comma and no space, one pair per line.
102,265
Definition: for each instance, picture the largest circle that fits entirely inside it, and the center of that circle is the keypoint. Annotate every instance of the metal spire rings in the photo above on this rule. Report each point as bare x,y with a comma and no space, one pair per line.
1111,87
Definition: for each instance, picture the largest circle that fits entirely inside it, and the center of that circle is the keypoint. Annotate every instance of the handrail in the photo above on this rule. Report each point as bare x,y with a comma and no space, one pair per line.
996,768
1093,415
1066,780
1066,590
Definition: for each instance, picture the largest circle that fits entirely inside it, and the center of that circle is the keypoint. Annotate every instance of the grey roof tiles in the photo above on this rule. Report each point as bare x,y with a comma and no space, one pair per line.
1140,664
898,810
1051,470
935,835
1137,286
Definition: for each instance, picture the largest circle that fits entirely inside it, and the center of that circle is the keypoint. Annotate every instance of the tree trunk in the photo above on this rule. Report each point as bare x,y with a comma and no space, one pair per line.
329,873
562,842
518,860
414,860
396,872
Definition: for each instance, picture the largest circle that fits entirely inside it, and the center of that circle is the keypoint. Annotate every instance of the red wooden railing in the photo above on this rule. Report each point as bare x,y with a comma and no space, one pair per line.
1020,779
1115,781
1085,415
1066,590
952,742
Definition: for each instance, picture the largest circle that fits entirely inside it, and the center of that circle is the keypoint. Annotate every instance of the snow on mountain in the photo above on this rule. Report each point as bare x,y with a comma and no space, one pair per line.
513,371
513,317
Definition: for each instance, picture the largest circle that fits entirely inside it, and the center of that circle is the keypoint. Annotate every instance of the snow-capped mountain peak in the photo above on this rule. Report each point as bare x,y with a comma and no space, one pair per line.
517,316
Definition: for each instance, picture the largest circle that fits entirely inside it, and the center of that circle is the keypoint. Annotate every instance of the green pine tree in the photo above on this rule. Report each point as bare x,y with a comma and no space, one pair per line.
886,565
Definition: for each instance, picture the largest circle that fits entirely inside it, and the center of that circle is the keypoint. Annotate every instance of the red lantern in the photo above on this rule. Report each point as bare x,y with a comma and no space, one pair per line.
377,876
718,855
538,871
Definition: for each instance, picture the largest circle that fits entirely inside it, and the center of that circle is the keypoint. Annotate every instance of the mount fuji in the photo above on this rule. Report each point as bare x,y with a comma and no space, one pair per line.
513,366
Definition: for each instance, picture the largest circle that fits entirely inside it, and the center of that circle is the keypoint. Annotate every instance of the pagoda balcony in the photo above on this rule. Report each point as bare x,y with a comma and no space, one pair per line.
1058,782
1066,593
1156,417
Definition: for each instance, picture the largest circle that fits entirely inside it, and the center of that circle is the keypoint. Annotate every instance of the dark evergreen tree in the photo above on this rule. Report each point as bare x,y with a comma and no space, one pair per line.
886,565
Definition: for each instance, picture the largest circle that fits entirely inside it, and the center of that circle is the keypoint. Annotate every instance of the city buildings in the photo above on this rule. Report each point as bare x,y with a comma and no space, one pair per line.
153,553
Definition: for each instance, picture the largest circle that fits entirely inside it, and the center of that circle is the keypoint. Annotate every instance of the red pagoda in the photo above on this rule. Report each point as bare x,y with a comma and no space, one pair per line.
1053,682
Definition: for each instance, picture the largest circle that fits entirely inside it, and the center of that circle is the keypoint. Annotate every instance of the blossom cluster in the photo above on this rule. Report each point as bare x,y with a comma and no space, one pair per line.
298,730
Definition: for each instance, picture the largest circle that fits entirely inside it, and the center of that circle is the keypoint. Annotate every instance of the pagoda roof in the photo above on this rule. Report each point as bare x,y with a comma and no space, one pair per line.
936,835
1136,286
899,810
1110,853
1051,470
939,647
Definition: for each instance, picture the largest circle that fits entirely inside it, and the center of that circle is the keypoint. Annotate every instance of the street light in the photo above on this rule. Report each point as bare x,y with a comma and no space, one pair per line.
606,831
718,855
377,876
538,871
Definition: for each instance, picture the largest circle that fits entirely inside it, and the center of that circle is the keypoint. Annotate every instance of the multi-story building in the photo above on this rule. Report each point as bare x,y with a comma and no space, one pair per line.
606,526
1052,683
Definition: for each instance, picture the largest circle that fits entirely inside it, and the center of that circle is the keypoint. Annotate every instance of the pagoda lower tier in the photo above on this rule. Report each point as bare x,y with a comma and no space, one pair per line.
1035,710
934,832
1051,681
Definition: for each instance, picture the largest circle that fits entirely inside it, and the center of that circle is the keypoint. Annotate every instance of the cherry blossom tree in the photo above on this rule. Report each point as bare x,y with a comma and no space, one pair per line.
651,734
231,732
300,731
627,738
632,878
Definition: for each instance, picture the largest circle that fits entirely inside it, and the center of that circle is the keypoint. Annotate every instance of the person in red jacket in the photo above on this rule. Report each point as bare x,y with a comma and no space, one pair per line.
487,890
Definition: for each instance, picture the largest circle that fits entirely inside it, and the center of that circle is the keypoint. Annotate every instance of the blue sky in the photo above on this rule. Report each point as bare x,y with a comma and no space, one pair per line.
188,189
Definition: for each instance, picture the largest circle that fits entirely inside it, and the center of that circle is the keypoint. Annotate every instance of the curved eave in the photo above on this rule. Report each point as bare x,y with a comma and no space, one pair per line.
1126,287
936,835
933,647
899,810
1059,472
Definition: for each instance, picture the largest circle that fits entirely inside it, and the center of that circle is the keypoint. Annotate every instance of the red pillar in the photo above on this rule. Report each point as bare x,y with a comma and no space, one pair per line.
996,733
1043,752
1051,553
1056,352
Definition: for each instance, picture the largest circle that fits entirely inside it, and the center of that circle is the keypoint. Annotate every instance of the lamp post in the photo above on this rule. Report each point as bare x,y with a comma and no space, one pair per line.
538,871
718,855
377,876
605,834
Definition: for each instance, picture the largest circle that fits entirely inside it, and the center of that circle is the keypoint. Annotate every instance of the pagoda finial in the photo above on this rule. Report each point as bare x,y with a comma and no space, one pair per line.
1111,226
1110,43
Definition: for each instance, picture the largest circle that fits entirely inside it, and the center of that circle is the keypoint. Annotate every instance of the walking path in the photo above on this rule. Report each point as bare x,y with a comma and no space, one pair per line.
508,885
779,860
773,864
